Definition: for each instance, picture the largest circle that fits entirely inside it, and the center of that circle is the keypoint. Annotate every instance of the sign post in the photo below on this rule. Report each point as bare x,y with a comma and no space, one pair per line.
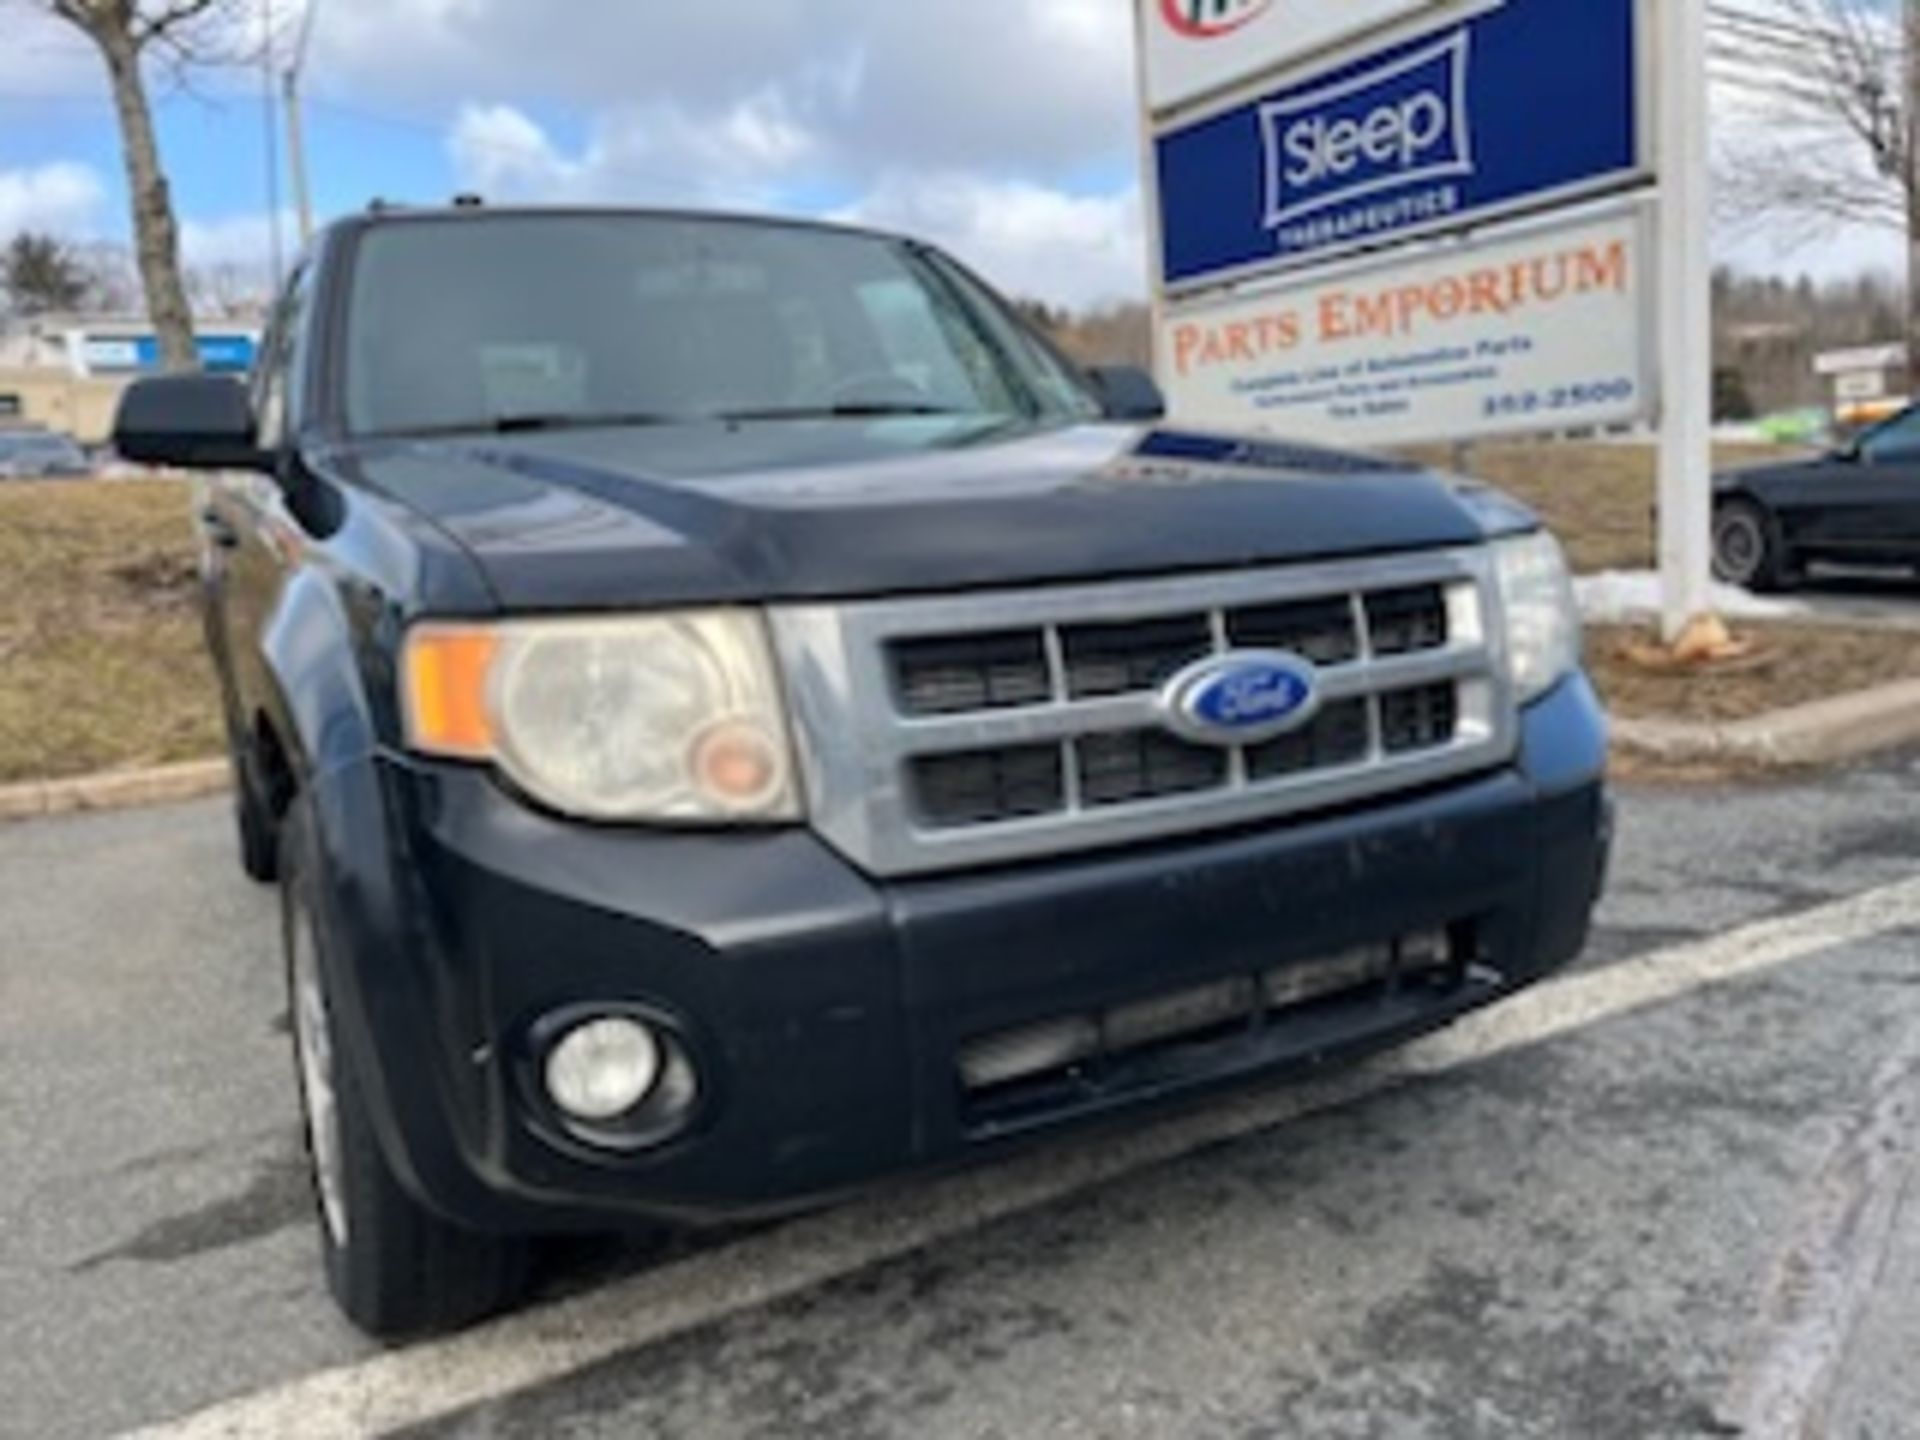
1686,345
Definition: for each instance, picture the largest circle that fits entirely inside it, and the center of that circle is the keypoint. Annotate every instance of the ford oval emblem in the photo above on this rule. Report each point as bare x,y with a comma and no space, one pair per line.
1242,698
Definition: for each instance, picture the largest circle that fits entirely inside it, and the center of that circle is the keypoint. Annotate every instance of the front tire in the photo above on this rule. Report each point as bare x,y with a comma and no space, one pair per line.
1748,550
395,1268
253,820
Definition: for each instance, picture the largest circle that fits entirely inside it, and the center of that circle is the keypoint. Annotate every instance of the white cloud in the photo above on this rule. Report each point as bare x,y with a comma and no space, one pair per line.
1082,250
742,154
1019,86
243,242
44,57
64,197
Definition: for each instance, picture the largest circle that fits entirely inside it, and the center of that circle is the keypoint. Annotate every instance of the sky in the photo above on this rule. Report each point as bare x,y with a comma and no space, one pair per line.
1002,129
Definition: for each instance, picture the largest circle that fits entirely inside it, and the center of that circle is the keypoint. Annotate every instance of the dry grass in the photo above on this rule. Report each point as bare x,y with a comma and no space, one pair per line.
101,661
1790,665
1598,498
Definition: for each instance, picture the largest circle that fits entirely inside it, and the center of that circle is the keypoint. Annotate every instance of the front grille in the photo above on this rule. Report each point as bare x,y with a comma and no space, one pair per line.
1405,622
950,675
1418,719
1323,631
974,729
983,786
961,673
1143,765
1124,659
1340,734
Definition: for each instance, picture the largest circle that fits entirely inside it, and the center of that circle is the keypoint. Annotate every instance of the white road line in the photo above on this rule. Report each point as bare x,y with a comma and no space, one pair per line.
405,1387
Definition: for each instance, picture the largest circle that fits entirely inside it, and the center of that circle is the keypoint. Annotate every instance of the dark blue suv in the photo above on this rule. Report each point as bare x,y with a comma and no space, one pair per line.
734,713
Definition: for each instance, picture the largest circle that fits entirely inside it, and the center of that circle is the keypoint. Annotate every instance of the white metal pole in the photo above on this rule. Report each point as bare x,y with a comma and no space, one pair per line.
1686,322
275,258
297,155
1150,196
296,130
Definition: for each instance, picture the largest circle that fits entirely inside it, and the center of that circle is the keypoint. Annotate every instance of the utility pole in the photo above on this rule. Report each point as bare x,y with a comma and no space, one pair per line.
296,141
1686,324
276,259
1909,112
297,156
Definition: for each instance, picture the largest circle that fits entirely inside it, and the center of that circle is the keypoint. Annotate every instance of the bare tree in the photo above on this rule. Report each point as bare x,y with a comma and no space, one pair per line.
113,279
128,33
229,291
1833,87
42,275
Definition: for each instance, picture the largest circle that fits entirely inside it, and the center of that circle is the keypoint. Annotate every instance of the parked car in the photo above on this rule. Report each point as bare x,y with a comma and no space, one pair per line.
40,455
734,714
1858,504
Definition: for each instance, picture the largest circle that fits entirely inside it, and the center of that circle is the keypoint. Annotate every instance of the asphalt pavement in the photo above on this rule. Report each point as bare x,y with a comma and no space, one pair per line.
1673,1194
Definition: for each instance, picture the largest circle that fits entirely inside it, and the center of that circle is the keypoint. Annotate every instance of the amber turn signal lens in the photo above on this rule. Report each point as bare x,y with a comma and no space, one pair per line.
445,684
737,766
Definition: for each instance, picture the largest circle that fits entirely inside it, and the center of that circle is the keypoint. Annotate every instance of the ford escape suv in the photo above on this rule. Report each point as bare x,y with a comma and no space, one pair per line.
734,714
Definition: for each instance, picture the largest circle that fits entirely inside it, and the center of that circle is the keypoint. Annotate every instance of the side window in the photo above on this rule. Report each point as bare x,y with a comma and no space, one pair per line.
274,366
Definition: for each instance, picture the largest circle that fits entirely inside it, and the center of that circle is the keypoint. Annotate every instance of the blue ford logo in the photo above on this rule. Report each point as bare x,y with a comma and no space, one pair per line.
1243,698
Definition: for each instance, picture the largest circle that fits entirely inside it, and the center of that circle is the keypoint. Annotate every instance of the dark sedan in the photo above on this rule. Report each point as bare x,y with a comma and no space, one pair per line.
1856,505
40,455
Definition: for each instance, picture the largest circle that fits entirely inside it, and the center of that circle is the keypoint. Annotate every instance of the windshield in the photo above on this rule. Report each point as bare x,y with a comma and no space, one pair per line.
515,321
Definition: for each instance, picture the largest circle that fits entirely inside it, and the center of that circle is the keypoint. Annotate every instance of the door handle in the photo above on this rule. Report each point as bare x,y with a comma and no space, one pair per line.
220,530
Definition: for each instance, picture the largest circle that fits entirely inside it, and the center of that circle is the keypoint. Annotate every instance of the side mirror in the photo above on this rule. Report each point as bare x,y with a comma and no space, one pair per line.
1128,393
195,422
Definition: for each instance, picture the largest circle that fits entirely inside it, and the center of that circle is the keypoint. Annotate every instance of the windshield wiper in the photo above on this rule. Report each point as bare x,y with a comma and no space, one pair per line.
520,424
845,410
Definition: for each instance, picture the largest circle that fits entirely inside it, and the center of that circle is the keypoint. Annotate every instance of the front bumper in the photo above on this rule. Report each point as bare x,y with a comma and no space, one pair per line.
825,1012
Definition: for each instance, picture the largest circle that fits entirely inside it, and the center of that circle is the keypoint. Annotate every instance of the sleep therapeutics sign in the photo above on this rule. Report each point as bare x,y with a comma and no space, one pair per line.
1529,104
1541,329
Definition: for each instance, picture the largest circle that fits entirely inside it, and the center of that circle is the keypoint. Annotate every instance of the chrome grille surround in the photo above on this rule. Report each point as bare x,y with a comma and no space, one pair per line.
856,746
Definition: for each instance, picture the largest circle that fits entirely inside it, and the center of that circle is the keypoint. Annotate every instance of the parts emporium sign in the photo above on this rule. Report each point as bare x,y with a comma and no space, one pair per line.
1538,330
1196,47
1527,105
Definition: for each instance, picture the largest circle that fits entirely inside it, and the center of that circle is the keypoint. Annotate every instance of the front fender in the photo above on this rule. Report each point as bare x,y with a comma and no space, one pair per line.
326,689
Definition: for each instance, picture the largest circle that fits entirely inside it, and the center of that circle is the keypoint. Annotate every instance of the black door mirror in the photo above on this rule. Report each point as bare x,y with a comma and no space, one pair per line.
1128,393
196,422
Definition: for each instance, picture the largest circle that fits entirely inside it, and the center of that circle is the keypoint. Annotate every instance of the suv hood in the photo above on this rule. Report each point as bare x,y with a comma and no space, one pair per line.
713,513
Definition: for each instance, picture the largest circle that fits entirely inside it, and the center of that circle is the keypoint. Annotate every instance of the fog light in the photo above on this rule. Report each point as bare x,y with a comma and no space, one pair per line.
601,1070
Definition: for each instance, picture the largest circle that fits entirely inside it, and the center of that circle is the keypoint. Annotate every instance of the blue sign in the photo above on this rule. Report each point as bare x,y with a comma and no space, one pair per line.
220,354
1243,698
1535,98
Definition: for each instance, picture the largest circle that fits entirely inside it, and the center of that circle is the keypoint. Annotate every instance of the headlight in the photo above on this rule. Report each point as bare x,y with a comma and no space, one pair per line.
671,717
1543,619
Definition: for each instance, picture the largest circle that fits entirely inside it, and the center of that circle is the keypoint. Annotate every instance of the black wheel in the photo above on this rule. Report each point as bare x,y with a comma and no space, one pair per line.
394,1267
1747,548
259,833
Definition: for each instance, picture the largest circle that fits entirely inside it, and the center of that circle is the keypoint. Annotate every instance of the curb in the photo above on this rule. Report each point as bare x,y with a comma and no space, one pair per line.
115,790
1826,732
